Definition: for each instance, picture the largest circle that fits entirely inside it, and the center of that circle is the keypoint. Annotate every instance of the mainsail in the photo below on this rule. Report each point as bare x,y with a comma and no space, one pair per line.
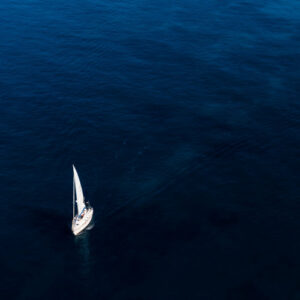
79,193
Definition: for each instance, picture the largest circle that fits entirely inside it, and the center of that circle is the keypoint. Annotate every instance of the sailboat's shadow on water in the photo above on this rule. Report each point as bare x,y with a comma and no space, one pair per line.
56,225
49,222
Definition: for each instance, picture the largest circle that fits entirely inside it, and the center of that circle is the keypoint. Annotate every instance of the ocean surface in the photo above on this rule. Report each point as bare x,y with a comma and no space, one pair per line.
183,120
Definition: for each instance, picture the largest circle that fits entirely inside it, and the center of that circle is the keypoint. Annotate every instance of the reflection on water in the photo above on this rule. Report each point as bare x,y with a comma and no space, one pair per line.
82,243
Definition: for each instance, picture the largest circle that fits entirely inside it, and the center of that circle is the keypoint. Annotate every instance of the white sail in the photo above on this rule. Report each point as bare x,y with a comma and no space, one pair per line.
79,193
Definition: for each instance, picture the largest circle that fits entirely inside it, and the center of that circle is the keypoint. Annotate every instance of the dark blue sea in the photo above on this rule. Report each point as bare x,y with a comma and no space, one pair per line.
183,121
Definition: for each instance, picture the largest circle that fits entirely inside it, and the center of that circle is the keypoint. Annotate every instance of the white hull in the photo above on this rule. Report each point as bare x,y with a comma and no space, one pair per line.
78,225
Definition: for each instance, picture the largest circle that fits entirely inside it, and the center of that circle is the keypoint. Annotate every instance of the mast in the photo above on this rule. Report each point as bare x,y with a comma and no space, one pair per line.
73,198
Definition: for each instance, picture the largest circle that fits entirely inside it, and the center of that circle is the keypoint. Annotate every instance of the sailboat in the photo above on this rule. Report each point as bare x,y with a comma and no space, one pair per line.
84,215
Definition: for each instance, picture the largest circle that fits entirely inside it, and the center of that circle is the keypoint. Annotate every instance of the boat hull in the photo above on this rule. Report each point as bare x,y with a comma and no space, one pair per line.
78,225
